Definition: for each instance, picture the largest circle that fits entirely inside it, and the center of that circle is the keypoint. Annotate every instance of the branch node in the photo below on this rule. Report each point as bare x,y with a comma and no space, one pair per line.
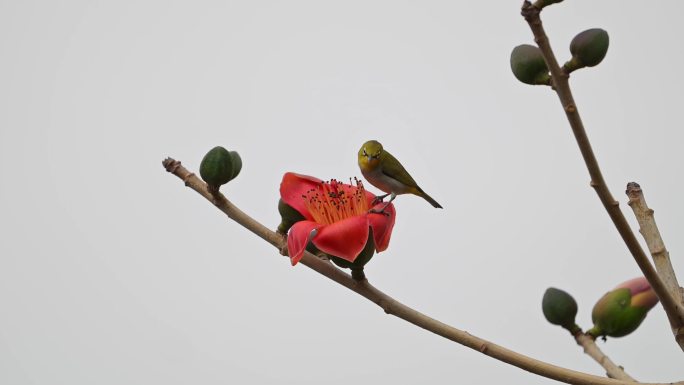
679,337
385,306
187,178
659,251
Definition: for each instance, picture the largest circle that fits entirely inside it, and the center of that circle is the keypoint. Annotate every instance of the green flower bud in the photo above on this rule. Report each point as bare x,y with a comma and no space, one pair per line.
289,216
560,309
620,311
588,49
528,65
219,166
360,261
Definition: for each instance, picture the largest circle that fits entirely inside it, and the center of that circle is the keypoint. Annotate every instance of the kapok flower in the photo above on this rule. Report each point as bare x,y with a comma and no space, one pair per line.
621,310
336,217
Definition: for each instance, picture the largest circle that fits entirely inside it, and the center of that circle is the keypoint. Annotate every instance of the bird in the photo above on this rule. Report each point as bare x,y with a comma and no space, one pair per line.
385,172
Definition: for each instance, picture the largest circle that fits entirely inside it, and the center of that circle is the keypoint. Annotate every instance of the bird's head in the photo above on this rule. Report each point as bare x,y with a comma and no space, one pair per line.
369,154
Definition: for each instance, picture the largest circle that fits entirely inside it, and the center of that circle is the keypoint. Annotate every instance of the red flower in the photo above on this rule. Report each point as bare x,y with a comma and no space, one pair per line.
336,217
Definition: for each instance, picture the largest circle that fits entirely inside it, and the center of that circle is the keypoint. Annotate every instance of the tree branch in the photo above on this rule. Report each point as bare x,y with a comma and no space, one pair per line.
387,303
656,246
593,351
560,84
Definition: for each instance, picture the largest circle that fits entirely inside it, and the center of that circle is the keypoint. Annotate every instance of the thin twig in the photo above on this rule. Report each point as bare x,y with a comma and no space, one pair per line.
593,351
656,246
562,88
387,303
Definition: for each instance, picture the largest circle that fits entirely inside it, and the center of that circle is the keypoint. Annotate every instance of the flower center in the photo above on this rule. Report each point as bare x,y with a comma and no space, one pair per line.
332,201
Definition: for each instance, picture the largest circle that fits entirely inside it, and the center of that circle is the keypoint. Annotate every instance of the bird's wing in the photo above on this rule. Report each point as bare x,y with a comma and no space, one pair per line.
393,169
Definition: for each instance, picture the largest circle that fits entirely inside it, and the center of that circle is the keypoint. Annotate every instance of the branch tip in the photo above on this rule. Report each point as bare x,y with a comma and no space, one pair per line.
633,188
529,12
170,164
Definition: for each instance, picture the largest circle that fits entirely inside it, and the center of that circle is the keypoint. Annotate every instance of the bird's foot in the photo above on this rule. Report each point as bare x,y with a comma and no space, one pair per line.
379,199
382,211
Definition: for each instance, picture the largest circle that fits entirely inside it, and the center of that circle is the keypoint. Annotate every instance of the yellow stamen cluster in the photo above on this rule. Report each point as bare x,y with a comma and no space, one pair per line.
329,202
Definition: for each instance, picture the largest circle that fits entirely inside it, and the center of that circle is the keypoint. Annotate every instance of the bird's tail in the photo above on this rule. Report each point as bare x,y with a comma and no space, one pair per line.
428,198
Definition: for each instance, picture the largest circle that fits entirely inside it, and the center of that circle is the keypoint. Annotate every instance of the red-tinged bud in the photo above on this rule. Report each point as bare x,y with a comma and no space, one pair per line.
620,311
642,293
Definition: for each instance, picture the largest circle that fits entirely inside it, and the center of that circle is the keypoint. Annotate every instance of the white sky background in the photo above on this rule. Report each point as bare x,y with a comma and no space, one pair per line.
112,272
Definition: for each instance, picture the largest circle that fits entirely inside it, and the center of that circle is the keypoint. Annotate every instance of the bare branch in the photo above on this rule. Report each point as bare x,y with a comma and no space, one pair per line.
593,351
562,88
387,303
656,246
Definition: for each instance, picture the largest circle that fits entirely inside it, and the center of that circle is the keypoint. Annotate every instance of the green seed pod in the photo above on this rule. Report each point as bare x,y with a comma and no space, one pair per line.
528,65
289,216
560,308
588,49
237,164
219,166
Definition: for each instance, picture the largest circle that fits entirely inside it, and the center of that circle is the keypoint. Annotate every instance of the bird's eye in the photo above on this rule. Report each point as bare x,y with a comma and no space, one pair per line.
364,152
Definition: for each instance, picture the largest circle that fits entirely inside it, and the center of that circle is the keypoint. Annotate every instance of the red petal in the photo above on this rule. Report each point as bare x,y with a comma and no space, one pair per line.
382,226
298,238
636,285
344,239
293,187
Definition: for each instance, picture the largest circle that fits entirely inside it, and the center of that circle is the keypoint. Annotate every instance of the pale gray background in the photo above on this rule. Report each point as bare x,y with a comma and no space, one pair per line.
111,272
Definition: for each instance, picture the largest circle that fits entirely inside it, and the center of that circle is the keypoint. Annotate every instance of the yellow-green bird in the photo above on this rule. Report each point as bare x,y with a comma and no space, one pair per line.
385,172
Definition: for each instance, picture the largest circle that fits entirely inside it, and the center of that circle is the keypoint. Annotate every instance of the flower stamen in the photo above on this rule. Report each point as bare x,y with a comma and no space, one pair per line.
332,201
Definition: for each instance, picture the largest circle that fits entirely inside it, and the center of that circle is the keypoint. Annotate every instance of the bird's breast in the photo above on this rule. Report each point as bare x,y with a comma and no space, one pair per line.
384,182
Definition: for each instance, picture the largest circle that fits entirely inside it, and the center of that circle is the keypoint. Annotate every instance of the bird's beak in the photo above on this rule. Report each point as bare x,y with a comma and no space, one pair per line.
369,158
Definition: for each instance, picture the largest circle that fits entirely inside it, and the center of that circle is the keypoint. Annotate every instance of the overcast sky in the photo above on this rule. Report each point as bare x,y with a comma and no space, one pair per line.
112,272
